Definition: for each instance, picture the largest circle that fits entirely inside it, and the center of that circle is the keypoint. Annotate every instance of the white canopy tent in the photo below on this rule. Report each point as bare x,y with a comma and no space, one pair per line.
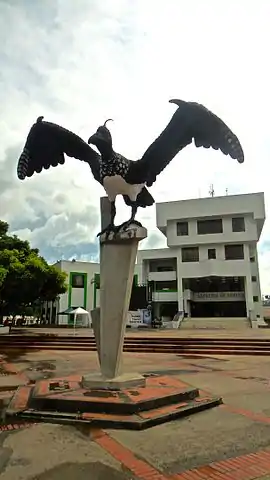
80,311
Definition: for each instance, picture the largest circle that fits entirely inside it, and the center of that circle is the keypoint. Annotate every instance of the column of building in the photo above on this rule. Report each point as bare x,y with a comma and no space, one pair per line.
182,305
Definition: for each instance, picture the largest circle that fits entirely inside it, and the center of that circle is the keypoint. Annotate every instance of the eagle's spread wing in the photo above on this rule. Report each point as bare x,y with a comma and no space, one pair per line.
45,147
190,121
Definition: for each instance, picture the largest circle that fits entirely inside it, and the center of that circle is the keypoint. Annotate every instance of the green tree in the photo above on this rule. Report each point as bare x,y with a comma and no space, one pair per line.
26,279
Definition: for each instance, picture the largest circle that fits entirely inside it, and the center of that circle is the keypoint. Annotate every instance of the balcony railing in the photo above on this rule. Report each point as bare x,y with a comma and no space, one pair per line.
161,276
165,296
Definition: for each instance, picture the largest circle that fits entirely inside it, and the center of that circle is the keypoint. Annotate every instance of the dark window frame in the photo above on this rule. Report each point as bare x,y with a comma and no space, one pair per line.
180,233
205,227
165,286
193,249
234,245
236,229
73,280
164,268
255,298
213,254
254,278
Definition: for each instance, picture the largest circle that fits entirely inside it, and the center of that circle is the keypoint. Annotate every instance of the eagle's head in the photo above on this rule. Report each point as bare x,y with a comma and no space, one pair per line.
102,139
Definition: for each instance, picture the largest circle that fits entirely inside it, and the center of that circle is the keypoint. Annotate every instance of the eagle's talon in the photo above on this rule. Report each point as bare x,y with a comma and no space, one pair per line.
124,226
108,230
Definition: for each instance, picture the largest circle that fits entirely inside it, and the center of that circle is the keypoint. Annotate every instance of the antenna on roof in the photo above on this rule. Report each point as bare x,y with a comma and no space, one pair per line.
211,190
226,191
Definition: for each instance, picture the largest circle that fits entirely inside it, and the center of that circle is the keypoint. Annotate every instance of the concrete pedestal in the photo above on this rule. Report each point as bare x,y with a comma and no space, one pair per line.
97,380
117,262
63,400
122,382
95,316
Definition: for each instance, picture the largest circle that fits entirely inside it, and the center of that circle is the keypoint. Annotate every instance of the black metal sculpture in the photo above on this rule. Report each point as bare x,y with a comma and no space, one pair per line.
47,142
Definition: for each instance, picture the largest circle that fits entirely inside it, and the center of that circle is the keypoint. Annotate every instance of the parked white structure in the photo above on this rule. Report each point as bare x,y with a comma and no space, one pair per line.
210,268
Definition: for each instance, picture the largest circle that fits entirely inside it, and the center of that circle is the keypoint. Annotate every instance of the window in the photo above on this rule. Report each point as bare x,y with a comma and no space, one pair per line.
97,280
238,224
162,265
169,286
252,259
255,298
205,227
182,228
211,253
164,268
234,252
254,278
190,254
77,280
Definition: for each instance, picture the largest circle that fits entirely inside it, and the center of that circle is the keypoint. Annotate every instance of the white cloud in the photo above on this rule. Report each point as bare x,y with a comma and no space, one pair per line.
79,63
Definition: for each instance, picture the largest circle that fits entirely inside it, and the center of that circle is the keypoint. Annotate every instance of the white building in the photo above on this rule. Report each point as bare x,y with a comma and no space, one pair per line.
210,268
83,290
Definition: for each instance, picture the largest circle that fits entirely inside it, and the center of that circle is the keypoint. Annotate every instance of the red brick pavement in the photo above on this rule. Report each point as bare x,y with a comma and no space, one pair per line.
245,467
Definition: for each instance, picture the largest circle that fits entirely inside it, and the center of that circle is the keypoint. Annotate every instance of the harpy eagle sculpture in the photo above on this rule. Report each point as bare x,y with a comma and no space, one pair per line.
47,143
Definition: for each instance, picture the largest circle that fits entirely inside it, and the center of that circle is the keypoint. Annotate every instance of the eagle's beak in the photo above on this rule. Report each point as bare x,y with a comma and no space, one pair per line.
102,138
94,139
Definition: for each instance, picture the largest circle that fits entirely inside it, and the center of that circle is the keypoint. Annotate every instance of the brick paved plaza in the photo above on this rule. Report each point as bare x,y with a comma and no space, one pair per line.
231,441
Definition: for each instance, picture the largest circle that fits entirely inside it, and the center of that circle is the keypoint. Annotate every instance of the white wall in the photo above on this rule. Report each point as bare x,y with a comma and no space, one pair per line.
211,206
162,276
206,268
165,296
228,236
77,294
144,256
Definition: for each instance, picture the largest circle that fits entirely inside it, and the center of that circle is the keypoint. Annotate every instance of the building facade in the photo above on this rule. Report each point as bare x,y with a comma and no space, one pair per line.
210,268
83,281
82,291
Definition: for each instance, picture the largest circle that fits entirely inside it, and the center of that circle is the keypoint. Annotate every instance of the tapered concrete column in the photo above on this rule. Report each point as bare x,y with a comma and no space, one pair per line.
117,262
95,315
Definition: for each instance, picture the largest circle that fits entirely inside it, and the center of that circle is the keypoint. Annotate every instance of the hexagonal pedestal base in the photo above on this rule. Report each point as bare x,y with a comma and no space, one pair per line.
123,382
163,398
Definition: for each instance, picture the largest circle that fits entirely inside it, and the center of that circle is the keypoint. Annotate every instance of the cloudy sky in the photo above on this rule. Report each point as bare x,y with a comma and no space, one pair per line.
78,63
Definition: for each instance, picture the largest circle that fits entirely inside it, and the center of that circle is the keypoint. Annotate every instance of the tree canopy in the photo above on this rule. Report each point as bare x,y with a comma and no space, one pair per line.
26,279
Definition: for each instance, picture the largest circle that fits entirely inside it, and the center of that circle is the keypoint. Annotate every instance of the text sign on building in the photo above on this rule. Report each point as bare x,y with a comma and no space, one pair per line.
218,296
